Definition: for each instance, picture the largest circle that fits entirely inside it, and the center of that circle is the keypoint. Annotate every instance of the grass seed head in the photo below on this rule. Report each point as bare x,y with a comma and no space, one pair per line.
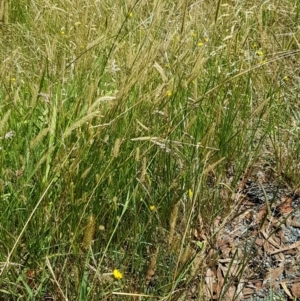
173,220
89,232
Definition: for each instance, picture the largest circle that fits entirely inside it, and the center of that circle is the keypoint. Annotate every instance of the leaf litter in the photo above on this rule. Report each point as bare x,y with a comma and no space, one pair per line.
257,249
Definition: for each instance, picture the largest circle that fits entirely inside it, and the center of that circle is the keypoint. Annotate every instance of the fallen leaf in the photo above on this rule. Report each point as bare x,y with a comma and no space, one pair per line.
217,221
209,280
30,277
286,205
262,213
231,294
290,247
285,288
220,282
296,290
259,242
273,274
248,292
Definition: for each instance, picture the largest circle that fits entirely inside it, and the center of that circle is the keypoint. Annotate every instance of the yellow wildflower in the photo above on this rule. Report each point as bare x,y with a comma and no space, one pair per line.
152,207
63,32
259,52
130,15
206,39
200,44
169,93
191,193
117,274
286,78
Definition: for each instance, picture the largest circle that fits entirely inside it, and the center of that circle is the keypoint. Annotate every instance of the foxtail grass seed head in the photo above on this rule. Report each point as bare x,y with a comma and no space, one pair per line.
152,266
173,220
115,203
117,148
144,170
118,275
187,254
89,232
174,215
76,275
4,119
4,12
86,172
137,154
39,138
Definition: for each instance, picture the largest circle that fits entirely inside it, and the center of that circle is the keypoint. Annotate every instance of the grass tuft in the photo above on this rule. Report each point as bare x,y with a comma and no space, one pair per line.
125,129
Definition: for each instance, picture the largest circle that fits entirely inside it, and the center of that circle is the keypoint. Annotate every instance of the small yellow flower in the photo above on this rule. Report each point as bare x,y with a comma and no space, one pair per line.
206,39
259,52
152,207
200,44
169,93
191,193
263,62
130,15
117,274
286,78
254,45
63,32
12,79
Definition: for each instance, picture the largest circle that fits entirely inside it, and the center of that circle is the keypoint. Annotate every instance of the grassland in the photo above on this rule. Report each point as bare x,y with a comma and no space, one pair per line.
125,127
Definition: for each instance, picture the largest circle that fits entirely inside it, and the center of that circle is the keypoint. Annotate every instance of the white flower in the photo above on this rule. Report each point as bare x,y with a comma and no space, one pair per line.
10,135
114,66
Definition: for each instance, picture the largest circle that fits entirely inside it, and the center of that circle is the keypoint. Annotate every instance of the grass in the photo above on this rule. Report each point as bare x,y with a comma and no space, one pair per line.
122,124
